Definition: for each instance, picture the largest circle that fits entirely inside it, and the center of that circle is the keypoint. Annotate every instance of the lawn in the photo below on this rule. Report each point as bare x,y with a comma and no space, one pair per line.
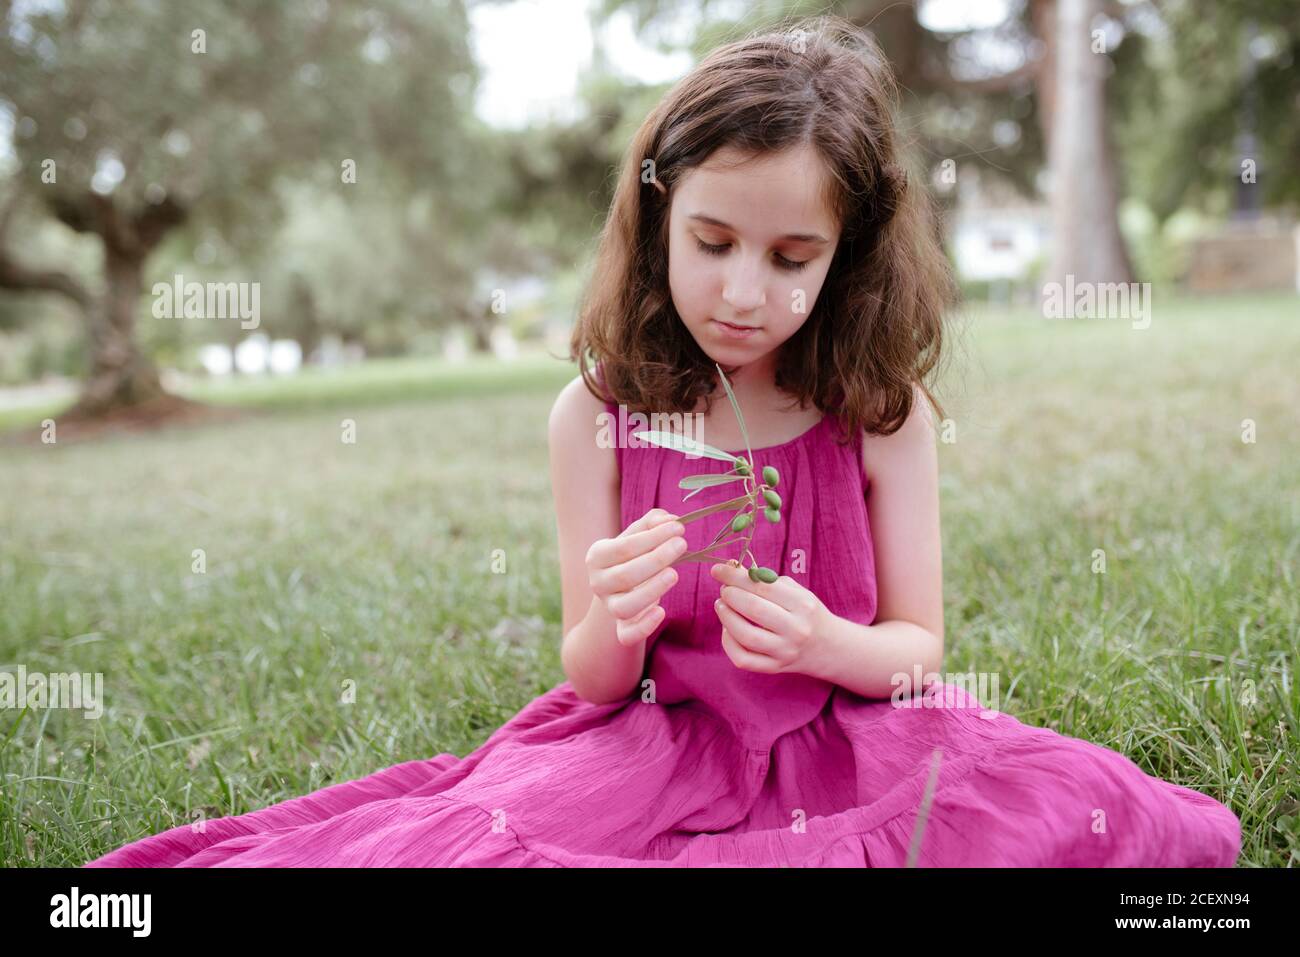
330,565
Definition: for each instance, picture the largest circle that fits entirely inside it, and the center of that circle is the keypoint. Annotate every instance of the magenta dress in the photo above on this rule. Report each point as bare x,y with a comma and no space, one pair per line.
712,765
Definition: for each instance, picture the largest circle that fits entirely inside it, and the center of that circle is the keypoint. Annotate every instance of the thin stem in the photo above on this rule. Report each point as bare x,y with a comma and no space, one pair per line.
753,491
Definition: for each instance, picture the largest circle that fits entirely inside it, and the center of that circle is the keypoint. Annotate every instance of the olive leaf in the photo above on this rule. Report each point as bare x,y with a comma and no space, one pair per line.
710,509
680,443
735,407
705,554
700,482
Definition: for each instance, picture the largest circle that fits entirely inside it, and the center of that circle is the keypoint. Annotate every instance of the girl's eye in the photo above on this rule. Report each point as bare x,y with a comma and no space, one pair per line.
710,248
713,250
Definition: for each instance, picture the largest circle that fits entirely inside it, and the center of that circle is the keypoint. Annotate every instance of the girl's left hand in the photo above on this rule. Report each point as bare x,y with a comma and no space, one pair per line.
772,628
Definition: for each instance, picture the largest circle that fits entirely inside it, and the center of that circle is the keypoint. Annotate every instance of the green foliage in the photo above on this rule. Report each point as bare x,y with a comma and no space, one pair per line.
280,90
1187,100
249,120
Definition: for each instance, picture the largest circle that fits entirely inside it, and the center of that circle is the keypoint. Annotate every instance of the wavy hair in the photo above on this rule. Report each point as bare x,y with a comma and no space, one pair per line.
875,331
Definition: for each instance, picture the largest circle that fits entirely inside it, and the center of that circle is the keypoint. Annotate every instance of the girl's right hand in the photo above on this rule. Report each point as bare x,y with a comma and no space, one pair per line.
631,572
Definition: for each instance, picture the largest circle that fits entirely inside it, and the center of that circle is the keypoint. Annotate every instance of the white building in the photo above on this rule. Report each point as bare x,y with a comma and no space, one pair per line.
995,233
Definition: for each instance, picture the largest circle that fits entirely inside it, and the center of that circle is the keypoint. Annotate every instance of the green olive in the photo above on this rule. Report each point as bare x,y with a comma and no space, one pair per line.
742,467
773,515
741,522
771,476
753,574
772,498
765,575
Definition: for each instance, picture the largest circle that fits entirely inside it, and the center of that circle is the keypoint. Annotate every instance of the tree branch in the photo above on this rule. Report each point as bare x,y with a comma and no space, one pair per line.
24,279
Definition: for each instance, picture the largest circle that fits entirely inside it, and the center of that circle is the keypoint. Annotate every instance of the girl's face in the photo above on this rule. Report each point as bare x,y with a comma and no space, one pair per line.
749,245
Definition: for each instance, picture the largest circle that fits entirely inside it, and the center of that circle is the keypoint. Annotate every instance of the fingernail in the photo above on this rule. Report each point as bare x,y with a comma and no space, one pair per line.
678,528
679,546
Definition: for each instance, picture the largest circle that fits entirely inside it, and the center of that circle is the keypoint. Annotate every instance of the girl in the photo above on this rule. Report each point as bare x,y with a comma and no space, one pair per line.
762,222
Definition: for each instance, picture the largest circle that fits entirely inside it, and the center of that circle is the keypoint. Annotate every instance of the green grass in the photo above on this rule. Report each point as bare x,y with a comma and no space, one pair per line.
329,562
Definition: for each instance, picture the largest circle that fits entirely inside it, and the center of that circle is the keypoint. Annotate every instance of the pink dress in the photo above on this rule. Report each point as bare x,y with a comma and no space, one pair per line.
712,765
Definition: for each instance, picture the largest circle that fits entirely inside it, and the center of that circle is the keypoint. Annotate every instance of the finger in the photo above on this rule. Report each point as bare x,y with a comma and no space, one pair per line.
783,592
649,520
636,629
610,552
754,639
631,574
742,658
629,604
757,609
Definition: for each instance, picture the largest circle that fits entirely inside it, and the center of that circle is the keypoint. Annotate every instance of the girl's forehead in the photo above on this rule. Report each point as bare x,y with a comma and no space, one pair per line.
782,192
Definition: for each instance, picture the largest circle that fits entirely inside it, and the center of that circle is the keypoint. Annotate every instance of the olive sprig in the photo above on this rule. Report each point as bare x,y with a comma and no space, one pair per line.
757,494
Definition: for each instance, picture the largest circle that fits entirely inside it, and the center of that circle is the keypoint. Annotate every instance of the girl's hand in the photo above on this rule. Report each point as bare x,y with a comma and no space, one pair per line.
630,573
771,628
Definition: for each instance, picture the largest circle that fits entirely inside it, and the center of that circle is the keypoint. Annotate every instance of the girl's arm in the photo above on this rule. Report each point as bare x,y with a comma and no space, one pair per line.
585,487
903,511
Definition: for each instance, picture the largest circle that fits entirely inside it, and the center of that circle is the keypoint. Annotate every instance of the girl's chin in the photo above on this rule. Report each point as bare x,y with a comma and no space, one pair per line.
734,357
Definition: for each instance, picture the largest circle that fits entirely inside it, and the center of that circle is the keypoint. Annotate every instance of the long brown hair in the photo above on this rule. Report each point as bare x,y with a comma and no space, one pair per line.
876,329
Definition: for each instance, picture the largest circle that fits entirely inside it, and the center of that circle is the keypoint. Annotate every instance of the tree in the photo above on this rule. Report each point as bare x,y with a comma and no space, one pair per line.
1227,69
961,102
1086,240
134,119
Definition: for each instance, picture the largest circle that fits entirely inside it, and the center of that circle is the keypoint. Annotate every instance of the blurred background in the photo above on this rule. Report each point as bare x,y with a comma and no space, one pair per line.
427,179
300,519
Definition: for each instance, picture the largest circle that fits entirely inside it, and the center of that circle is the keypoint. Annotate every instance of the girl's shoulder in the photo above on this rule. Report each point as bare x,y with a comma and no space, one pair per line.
575,409
912,446
581,463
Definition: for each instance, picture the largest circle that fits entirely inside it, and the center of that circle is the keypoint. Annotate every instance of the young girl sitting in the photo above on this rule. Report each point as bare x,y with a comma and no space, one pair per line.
762,223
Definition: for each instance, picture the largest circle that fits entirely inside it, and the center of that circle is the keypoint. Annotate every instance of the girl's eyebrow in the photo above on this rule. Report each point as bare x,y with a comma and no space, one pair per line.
796,237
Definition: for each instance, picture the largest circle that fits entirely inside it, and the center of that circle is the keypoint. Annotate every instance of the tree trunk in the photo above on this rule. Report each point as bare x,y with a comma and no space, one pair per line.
306,317
1086,240
481,330
120,374
1043,17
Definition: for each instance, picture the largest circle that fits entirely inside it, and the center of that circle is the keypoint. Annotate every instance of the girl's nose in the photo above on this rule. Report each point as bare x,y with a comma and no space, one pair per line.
744,288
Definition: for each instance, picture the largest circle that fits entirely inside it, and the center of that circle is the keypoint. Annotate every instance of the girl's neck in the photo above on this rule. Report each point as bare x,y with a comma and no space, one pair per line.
772,416
754,384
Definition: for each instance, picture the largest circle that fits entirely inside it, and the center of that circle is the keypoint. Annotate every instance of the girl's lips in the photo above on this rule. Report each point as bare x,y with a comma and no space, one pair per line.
733,332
